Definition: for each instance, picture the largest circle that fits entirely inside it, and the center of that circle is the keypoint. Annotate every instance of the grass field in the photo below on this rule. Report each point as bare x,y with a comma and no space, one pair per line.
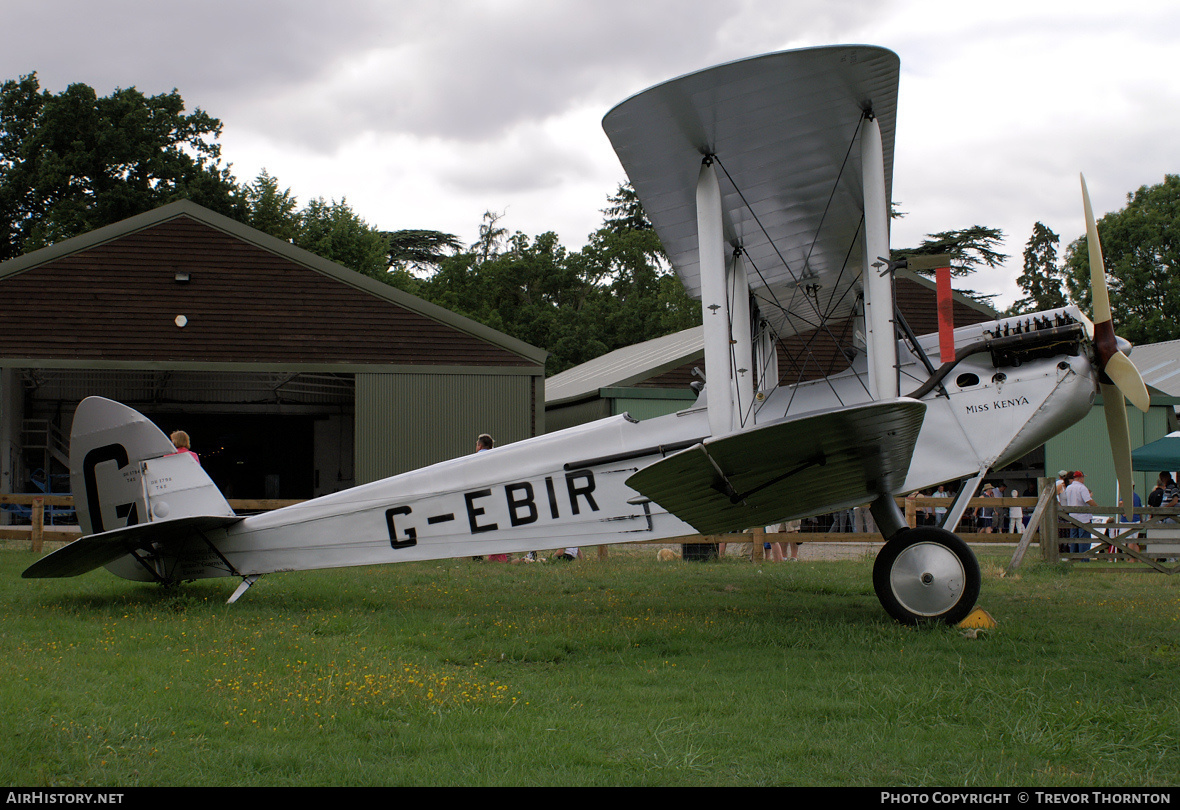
618,672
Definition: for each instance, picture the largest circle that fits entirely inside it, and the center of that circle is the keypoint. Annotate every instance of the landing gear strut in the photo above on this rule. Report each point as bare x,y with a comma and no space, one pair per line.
926,574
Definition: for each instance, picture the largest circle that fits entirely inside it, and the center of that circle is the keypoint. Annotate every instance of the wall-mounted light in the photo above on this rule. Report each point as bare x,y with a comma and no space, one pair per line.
181,277
181,321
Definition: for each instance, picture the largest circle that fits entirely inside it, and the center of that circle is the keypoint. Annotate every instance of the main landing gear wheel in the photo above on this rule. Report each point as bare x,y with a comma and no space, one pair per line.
926,575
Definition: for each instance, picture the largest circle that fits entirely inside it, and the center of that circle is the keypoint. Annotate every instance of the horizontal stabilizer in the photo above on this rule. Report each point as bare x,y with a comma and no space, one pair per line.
792,468
98,550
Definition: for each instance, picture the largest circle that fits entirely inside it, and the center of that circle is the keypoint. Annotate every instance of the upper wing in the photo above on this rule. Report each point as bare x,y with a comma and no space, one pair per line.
784,129
787,469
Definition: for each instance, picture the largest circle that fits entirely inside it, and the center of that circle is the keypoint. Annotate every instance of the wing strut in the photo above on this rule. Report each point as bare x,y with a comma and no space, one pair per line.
954,512
742,341
878,281
714,303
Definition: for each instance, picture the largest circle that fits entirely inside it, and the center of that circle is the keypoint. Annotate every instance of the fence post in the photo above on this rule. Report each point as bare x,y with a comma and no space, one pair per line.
911,510
38,520
1049,530
758,537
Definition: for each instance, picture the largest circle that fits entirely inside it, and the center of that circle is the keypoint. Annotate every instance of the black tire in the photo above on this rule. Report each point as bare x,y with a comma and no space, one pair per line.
926,575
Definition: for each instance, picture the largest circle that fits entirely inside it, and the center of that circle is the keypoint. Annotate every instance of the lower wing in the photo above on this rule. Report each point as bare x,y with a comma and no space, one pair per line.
787,469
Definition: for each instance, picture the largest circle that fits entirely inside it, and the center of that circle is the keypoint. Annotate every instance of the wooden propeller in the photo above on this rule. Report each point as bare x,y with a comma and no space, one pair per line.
1118,376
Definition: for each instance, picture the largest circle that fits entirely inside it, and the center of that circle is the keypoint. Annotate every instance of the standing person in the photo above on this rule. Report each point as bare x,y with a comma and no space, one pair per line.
1015,514
1078,494
1164,494
985,512
940,511
1136,518
1063,529
486,442
773,551
181,442
1165,491
842,521
792,527
1063,479
1029,492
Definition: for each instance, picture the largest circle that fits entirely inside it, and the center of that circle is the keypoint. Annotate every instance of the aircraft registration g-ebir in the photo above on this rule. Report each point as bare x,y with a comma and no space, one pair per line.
768,181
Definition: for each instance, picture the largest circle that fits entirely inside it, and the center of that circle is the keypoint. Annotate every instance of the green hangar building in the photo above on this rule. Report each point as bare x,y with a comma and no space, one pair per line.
295,376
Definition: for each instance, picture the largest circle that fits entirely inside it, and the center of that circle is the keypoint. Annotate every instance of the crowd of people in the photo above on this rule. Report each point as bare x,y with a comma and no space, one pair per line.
1074,496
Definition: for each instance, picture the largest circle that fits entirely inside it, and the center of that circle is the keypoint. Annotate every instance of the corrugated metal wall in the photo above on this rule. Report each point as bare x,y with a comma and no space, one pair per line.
561,417
642,403
409,420
639,403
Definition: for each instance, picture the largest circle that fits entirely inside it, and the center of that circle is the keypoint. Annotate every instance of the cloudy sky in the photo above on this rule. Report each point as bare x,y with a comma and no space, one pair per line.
427,113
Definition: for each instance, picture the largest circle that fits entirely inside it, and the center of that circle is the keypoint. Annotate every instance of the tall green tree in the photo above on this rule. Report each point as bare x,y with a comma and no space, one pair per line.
614,292
328,229
533,289
1041,280
420,249
73,161
649,300
625,213
1141,251
270,209
491,236
413,252
971,249
334,231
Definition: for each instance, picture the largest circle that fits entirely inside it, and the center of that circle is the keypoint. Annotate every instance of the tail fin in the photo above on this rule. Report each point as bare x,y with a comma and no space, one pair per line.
125,471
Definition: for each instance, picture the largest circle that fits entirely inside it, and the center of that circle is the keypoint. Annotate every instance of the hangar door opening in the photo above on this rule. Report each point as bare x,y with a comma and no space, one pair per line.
258,434
251,455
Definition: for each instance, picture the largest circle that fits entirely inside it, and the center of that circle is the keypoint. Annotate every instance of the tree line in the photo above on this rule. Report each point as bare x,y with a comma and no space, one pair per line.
74,161
1141,252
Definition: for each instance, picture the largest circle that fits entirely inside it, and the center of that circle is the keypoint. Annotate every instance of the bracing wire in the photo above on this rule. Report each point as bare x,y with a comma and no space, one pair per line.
810,296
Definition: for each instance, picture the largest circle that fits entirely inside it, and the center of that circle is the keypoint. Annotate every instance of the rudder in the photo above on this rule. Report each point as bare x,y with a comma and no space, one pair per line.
125,471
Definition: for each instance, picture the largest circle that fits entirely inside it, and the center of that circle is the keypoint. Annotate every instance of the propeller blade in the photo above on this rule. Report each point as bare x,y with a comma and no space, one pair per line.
1123,373
1097,266
1117,367
1120,444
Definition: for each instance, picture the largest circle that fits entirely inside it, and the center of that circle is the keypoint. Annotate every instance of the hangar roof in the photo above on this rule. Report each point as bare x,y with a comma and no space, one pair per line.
1159,365
625,366
115,296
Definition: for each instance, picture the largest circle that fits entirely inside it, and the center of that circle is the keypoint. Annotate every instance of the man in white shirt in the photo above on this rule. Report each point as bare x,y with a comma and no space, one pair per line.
1076,494
940,511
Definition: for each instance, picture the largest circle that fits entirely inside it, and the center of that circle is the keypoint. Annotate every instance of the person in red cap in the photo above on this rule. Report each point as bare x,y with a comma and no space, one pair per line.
1077,495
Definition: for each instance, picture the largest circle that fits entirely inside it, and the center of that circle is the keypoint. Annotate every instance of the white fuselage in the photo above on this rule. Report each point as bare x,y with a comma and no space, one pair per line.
568,488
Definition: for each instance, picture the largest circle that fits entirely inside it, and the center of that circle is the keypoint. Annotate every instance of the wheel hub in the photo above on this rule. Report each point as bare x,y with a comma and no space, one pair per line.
927,579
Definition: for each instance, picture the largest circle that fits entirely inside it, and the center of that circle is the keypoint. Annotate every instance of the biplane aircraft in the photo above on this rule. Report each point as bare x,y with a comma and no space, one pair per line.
768,181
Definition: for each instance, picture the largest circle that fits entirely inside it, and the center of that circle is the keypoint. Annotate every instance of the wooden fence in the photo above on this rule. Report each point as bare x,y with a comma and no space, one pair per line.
1153,540
39,531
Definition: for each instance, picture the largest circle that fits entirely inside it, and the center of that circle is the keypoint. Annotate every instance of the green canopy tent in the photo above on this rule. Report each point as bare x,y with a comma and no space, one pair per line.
1162,454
